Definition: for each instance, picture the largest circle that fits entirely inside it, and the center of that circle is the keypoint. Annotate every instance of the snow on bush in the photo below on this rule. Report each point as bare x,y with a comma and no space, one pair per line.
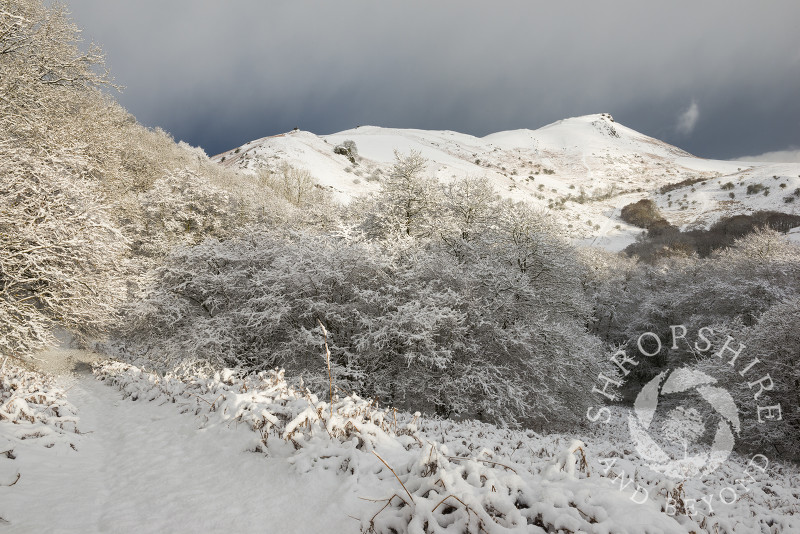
34,404
61,253
769,504
33,409
748,291
413,482
419,329
774,340
265,401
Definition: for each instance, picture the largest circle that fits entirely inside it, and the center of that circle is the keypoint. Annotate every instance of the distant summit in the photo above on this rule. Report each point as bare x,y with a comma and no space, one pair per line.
583,169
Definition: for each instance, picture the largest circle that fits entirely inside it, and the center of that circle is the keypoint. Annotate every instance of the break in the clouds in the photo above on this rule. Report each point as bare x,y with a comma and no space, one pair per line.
217,74
781,156
688,119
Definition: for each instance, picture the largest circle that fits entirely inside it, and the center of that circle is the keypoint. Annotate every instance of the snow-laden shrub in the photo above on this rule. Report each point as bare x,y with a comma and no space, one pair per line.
481,314
499,337
265,401
348,149
34,404
180,207
297,186
739,283
775,342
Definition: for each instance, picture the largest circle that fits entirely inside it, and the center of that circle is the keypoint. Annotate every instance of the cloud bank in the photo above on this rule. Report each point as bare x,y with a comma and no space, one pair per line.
778,156
218,74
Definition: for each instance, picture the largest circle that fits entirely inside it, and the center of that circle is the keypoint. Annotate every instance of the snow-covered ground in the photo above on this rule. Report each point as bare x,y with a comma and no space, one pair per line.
582,169
755,187
139,467
216,453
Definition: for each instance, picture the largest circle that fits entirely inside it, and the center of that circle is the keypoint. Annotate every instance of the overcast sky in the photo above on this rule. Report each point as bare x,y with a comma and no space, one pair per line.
718,78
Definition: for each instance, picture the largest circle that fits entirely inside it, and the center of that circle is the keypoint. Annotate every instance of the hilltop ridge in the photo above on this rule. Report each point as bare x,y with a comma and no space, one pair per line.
584,169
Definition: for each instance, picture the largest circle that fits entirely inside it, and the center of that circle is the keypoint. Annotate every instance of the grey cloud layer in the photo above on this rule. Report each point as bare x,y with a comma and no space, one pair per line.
217,74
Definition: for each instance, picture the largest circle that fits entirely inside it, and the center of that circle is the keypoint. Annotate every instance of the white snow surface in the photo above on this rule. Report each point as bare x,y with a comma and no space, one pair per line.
581,169
142,468
193,452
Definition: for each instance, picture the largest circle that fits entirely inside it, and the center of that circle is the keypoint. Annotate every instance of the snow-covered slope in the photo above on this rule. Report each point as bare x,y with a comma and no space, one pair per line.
584,169
753,187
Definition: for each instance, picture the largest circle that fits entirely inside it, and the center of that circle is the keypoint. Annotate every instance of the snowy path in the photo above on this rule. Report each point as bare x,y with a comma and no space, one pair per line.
142,468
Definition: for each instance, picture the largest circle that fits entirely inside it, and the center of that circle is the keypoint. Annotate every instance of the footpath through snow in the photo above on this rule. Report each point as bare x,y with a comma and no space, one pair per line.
141,468
197,453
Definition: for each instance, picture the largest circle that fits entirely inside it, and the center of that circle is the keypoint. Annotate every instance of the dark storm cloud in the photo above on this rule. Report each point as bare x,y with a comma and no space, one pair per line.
219,74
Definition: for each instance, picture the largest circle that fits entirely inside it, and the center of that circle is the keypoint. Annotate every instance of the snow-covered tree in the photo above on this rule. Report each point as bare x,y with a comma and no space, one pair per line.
734,286
60,250
61,256
408,200
298,186
775,341
415,327
468,207
44,74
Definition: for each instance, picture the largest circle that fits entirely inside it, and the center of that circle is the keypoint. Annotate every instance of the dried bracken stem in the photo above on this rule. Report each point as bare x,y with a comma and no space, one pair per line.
381,500
457,458
328,359
204,400
395,475
388,502
311,403
15,481
430,453
450,497
466,506
584,464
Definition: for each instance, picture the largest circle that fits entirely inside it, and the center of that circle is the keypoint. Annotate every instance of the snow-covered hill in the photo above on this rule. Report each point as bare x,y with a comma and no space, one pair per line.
584,169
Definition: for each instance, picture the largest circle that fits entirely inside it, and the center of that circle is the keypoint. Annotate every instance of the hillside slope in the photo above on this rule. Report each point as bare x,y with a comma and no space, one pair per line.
584,169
